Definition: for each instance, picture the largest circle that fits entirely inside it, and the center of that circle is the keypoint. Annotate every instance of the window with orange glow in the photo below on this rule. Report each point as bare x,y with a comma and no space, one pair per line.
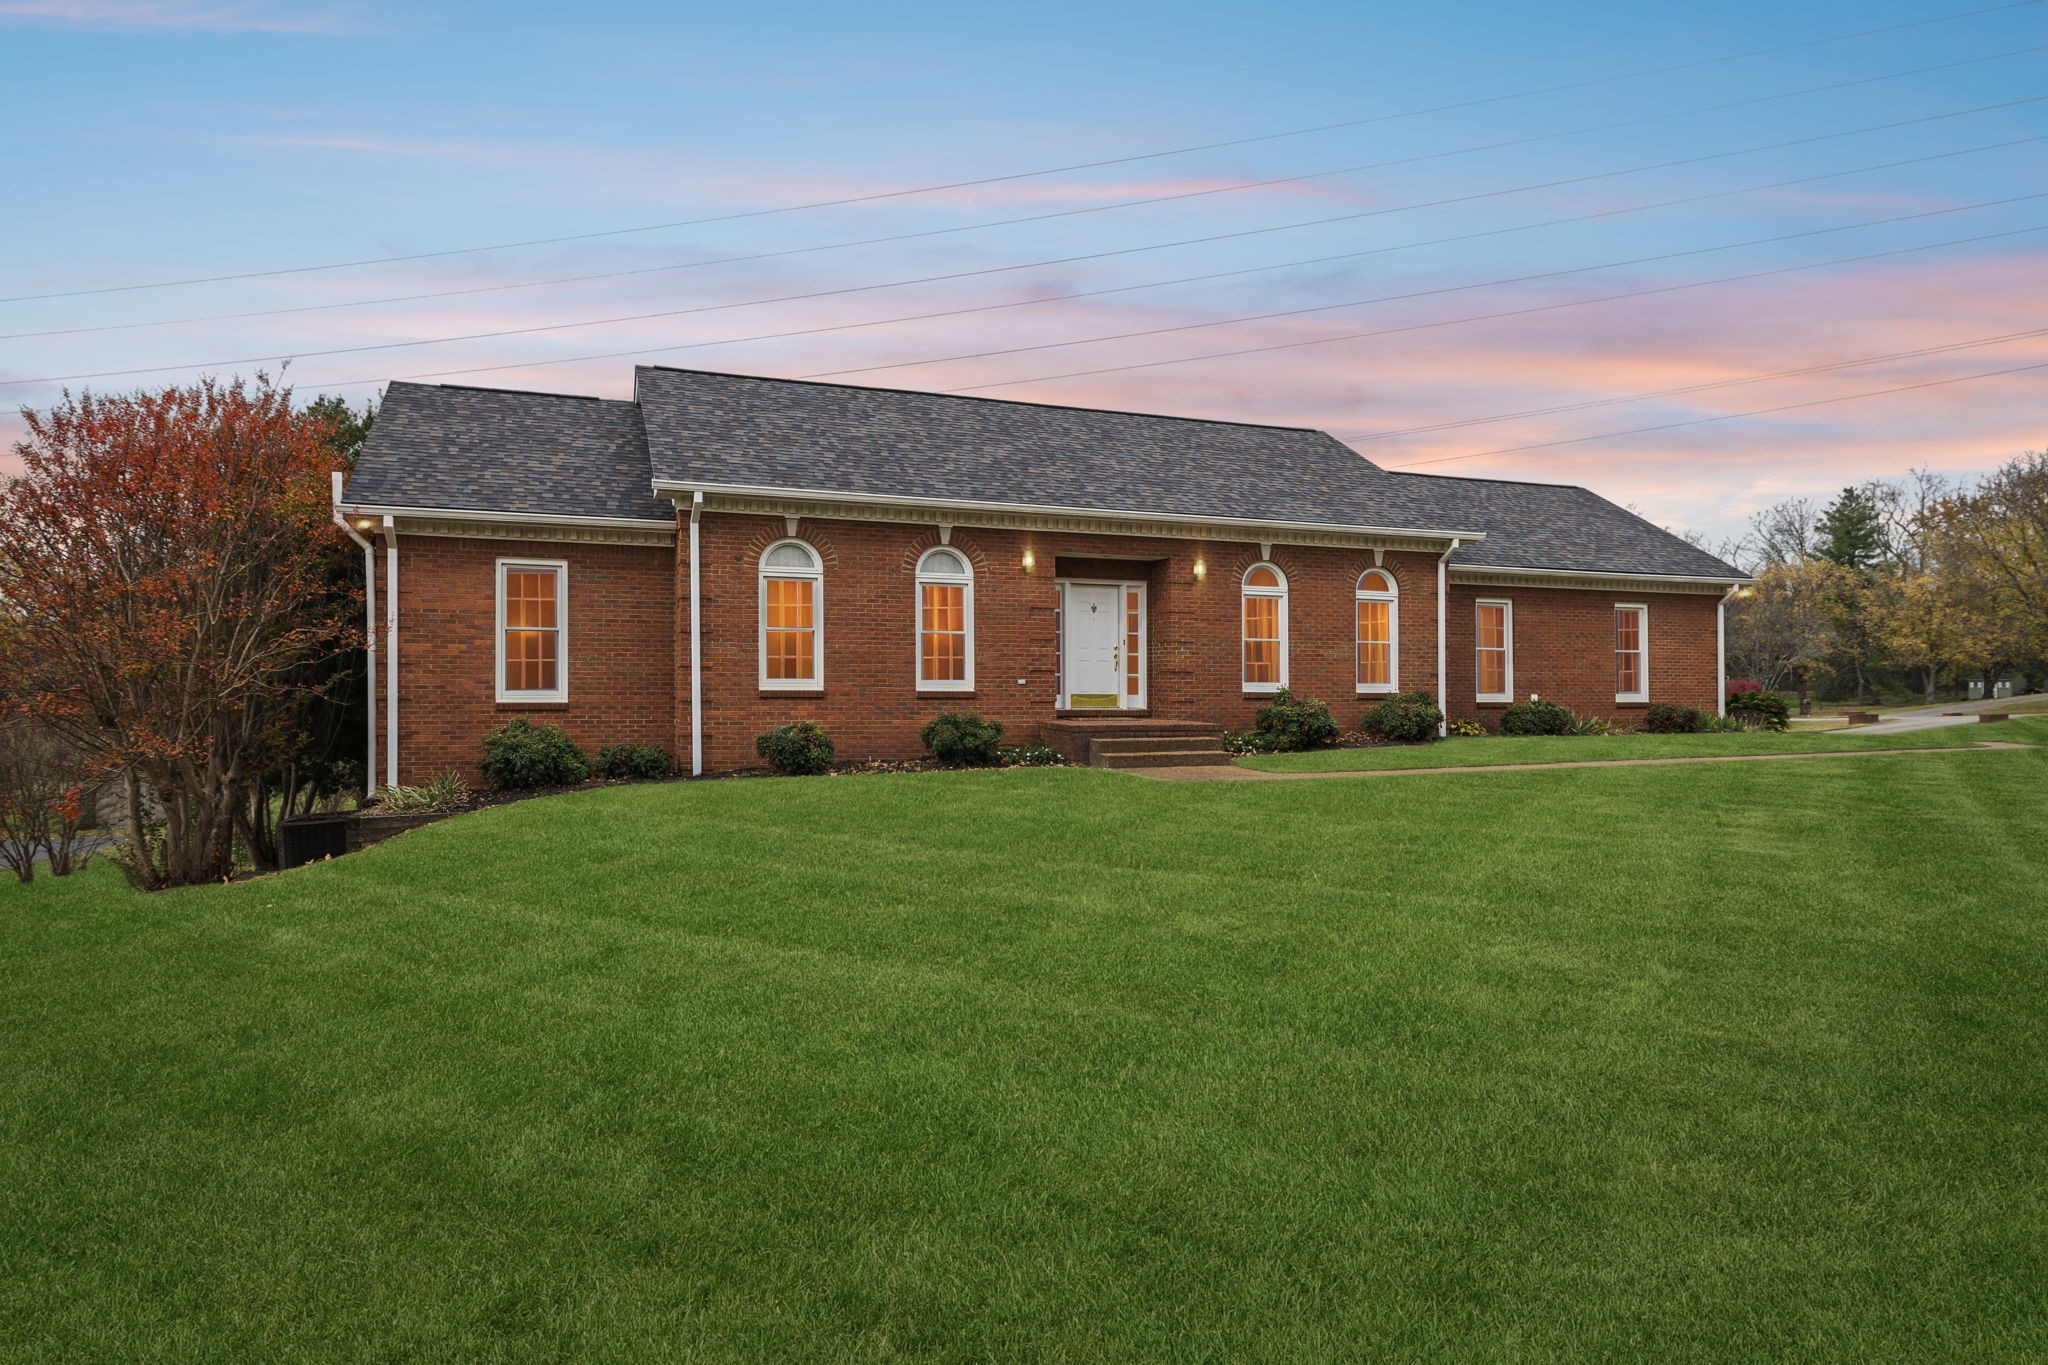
791,588
530,611
945,621
1496,651
1265,629
1376,617
1631,674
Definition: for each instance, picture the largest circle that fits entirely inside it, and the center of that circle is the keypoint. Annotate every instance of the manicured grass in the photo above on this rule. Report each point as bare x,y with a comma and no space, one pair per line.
1732,1061
2024,706
1497,749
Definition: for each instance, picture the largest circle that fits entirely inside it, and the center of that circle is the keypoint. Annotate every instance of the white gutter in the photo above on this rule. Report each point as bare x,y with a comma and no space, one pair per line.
696,648
1493,571
1443,701
391,653
522,518
369,635
1721,646
959,505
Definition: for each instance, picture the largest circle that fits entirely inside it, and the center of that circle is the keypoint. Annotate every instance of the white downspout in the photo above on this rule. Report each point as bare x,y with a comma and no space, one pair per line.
1443,700
696,647
1721,648
369,635
391,653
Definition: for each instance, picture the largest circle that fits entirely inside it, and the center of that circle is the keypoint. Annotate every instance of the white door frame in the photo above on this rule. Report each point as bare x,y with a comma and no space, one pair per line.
1124,702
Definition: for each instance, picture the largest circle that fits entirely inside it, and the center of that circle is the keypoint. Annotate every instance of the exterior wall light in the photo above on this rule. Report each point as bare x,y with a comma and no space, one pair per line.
1030,561
1201,568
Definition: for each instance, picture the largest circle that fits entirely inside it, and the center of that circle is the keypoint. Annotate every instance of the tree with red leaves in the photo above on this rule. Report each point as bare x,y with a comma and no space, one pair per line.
164,568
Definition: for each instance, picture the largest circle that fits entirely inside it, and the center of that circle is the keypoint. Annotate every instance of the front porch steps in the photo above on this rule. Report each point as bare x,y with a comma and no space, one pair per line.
1137,743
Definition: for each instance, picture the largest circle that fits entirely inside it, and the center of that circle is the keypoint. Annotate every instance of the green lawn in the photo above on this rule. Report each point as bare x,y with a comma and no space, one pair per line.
1493,750
1735,1061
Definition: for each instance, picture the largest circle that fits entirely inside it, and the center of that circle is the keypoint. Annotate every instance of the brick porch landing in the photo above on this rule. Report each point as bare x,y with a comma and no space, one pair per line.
1136,742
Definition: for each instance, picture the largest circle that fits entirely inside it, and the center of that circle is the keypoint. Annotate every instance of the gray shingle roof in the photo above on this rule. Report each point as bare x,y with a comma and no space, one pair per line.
495,450
741,431
1556,526
499,450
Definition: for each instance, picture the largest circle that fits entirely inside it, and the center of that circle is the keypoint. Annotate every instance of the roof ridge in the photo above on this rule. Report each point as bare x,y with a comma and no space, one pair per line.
979,398
524,393
1477,478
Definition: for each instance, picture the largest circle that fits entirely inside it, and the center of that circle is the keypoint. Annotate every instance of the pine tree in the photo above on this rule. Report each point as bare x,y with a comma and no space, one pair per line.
1850,531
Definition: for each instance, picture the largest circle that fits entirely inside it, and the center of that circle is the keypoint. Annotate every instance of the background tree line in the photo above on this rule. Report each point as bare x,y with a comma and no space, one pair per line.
1906,585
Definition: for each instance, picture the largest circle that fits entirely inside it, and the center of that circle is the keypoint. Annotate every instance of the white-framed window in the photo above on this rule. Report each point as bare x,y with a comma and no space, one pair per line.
945,621
792,617
1379,648
1494,666
1265,628
533,630
1631,652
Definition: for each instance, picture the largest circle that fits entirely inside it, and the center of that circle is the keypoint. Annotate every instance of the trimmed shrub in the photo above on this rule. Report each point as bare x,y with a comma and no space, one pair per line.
1288,723
1404,718
1737,685
1536,718
519,755
1663,719
623,762
797,750
1760,710
961,739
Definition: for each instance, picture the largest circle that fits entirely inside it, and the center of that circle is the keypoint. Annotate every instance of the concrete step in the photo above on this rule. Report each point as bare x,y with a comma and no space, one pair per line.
1166,758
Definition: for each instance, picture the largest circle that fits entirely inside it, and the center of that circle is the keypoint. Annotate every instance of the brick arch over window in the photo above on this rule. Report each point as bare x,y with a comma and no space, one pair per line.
976,557
808,532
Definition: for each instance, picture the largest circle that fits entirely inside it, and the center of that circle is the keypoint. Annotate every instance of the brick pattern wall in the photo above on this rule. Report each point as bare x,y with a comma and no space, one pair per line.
628,627
870,703
621,664
1564,649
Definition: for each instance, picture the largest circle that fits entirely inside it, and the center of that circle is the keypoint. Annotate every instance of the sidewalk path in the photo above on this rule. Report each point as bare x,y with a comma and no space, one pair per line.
1233,773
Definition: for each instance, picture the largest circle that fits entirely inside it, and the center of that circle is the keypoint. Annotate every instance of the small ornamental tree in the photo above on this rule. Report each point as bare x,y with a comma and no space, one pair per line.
164,559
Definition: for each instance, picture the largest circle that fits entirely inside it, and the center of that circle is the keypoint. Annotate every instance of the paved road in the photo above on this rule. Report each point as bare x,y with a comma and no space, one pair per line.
1931,717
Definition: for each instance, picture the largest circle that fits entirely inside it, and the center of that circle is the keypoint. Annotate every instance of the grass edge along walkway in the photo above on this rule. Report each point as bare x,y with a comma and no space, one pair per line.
1569,751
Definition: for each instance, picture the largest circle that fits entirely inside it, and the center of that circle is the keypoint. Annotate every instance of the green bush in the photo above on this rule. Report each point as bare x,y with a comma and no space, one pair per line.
1288,723
620,762
1591,725
519,755
1760,710
796,750
961,739
1466,729
1536,718
446,792
1245,742
1662,719
1404,718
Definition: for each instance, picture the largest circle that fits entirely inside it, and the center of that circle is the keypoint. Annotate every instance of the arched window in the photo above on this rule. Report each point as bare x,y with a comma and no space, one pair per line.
945,621
1378,639
792,616
1265,629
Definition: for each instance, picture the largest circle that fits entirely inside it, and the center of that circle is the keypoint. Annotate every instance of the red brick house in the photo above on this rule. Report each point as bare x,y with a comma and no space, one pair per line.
724,553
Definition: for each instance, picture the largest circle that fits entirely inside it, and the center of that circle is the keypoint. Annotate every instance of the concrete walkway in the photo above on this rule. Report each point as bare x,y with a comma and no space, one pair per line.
1233,773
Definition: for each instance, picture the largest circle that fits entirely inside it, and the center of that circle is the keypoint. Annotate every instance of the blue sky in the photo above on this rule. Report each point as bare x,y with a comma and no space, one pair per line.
154,140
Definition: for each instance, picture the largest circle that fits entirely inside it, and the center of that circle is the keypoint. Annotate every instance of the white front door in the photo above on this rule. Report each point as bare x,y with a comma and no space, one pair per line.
1093,632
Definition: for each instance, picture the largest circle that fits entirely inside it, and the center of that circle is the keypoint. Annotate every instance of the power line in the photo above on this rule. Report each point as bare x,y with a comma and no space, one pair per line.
640,271
1829,367
1430,293
668,347
676,312
850,200
1727,416
1483,317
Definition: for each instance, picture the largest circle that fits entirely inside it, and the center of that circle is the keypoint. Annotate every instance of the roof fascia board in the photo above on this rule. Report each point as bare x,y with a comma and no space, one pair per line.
678,488
1476,573
521,518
